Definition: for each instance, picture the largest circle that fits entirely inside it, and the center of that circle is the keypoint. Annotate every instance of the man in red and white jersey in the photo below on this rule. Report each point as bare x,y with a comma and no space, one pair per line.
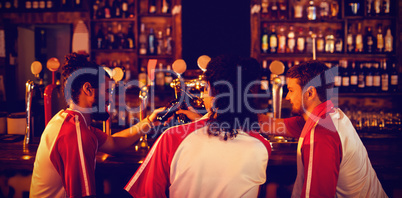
219,155
331,159
65,160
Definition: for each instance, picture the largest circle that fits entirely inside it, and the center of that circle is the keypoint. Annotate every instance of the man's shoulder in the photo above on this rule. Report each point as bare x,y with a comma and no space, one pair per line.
185,129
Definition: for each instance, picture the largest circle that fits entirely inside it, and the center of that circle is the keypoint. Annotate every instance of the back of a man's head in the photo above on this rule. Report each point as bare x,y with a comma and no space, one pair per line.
316,74
78,62
230,78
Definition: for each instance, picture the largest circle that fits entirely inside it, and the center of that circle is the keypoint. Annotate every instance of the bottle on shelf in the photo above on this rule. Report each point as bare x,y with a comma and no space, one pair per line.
338,78
384,77
110,42
265,76
369,7
124,9
273,40
165,6
309,41
300,41
264,8
100,10
116,8
95,8
160,77
370,41
42,4
359,39
100,40
281,40
369,78
311,11
283,9
77,4
354,78
28,4
338,42
361,87
159,46
130,42
168,76
151,42
324,9
152,6
120,40
334,9
264,39
320,42
274,10
380,39
131,10
142,40
298,10
388,41
168,41
345,76
142,77
386,7
330,42
376,78
349,40
377,7
291,40
107,10
127,66
35,4
393,86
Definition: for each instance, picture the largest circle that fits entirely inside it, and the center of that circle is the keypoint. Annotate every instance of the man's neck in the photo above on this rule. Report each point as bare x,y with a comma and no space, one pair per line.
310,109
75,107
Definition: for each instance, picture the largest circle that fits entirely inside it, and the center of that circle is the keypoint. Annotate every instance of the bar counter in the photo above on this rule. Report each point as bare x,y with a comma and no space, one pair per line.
385,155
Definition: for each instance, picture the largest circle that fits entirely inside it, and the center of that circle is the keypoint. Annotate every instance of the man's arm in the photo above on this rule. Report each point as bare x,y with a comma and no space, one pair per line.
128,137
289,127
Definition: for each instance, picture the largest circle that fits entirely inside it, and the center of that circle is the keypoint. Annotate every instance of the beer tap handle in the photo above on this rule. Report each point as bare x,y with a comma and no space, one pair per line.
29,86
53,65
203,61
277,68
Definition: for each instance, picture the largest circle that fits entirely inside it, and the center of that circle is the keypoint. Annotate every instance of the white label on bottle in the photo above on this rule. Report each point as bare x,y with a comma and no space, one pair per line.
124,7
384,82
320,45
394,80
345,81
359,42
273,41
300,43
338,81
349,39
291,43
353,80
282,42
298,11
369,81
377,81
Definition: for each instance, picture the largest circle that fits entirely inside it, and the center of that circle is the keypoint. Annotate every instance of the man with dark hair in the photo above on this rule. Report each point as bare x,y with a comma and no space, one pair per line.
331,159
219,155
65,160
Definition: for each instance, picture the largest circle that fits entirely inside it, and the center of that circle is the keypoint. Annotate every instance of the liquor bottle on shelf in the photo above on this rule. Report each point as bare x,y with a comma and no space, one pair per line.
338,42
116,9
324,9
265,75
42,4
334,9
273,40
361,87
320,42
168,41
281,40
309,41
376,78
124,9
264,9
165,6
354,78
388,41
107,10
300,41
131,10
168,76
349,40
77,4
35,4
386,7
264,39
120,38
311,11
394,79
100,40
100,12
142,40
160,77
380,39
151,42
274,10
369,78
377,7
369,42
384,77
345,76
159,46
110,42
298,10
291,40
283,9
95,8
142,77
130,44
338,78
152,6
28,4
370,7
330,42
359,39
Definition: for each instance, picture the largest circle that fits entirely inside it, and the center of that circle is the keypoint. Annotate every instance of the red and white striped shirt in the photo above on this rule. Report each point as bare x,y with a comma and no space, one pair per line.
188,162
65,160
331,159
